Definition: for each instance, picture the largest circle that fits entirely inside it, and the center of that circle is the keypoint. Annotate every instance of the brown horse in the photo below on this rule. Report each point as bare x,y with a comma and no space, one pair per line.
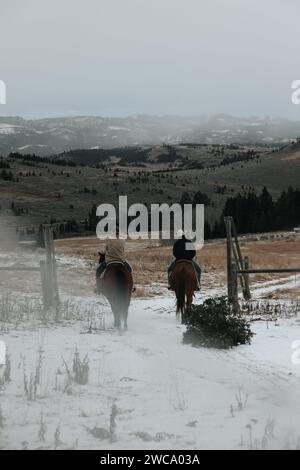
184,283
116,285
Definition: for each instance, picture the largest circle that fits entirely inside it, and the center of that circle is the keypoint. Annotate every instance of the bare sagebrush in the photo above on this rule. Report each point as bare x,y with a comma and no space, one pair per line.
269,429
1,418
57,441
177,397
112,424
241,398
269,310
79,373
80,369
30,385
16,311
249,427
32,388
42,429
7,369
58,373
6,308
69,380
38,370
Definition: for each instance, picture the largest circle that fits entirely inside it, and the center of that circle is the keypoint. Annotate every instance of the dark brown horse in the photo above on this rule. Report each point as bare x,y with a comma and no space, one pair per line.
184,283
116,285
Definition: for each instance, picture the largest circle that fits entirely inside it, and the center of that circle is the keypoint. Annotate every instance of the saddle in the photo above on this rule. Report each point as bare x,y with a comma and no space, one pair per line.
99,280
184,261
113,263
109,263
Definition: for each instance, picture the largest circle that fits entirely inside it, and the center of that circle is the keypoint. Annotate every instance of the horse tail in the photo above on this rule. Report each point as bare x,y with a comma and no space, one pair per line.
180,295
121,288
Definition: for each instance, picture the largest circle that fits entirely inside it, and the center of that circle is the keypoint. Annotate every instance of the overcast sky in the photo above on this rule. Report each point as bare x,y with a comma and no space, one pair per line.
122,57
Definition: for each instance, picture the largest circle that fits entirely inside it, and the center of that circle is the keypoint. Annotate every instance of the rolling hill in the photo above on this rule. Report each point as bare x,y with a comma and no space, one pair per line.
55,135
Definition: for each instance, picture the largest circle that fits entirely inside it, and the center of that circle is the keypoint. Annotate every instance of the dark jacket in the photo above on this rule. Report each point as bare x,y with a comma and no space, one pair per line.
179,250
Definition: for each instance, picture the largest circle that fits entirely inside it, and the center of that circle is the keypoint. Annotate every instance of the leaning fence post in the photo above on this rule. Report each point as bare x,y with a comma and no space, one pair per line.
234,288
247,293
227,221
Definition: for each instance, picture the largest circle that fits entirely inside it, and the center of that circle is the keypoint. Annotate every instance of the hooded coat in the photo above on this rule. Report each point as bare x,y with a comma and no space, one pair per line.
115,251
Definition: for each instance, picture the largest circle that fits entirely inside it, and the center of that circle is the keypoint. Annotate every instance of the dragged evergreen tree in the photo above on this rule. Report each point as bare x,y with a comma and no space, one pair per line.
214,324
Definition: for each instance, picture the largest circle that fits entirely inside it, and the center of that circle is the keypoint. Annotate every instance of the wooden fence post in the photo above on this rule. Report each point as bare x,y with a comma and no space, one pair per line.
46,287
240,262
48,272
247,294
227,221
234,288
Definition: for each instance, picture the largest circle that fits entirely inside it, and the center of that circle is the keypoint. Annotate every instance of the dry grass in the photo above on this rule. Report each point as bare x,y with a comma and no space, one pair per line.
150,262
78,258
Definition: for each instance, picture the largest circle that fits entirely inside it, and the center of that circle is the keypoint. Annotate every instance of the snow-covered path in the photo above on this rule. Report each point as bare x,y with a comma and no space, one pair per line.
167,395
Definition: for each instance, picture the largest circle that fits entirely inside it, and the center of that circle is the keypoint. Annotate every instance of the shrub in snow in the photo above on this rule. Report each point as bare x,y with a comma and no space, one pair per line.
80,369
214,324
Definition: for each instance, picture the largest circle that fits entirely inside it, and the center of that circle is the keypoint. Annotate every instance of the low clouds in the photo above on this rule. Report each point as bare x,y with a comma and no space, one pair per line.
120,57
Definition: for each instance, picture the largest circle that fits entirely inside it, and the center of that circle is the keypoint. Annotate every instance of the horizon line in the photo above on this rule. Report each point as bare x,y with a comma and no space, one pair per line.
158,115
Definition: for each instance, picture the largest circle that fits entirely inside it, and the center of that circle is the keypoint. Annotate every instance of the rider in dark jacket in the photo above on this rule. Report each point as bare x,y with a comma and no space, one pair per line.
181,252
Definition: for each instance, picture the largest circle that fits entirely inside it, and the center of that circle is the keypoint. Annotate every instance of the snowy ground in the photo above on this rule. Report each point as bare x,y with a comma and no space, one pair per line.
146,389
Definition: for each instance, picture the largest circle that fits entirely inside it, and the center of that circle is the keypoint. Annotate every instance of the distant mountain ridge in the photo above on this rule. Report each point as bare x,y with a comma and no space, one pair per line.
54,135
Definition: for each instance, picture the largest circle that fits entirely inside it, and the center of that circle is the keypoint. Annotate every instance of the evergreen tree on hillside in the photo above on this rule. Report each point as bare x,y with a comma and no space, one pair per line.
185,199
254,213
201,198
93,218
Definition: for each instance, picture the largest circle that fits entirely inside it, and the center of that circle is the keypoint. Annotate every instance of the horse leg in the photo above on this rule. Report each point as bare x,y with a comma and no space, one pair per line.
124,313
125,319
117,321
189,301
183,314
